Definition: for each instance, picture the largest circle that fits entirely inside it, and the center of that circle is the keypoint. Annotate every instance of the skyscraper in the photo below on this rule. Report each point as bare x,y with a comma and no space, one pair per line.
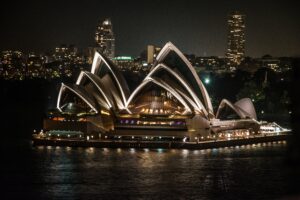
152,52
236,39
105,39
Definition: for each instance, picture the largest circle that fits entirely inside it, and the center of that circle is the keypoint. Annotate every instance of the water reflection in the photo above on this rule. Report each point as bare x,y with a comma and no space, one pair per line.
242,172
196,152
132,150
160,150
119,150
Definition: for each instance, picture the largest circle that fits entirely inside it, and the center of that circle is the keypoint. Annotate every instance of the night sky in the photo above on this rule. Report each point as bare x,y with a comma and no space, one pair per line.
199,27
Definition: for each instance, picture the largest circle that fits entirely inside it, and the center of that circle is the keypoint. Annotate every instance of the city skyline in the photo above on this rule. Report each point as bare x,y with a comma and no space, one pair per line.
196,27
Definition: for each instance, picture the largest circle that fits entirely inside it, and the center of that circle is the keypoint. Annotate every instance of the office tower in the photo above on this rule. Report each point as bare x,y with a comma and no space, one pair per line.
105,39
152,52
236,39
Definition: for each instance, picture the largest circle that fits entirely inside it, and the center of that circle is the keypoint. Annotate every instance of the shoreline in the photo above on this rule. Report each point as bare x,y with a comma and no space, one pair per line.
159,144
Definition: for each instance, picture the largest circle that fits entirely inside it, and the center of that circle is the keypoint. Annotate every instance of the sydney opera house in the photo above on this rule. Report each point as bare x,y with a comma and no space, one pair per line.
170,103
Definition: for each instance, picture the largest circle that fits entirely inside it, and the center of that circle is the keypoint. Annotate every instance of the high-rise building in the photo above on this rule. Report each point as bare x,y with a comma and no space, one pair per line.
236,39
105,39
152,52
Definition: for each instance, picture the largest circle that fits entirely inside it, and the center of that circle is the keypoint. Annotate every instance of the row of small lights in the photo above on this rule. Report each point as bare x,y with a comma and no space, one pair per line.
228,135
262,112
132,137
137,122
132,150
58,135
160,137
264,144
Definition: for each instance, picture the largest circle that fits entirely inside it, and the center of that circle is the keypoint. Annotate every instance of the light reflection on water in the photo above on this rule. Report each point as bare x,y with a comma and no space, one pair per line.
247,171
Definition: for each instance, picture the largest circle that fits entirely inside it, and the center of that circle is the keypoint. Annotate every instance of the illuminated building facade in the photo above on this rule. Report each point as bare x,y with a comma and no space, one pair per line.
105,39
34,65
171,99
270,62
124,62
65,51
152,52
236,39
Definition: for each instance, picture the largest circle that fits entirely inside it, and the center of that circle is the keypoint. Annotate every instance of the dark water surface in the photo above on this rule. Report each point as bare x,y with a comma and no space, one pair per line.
249,172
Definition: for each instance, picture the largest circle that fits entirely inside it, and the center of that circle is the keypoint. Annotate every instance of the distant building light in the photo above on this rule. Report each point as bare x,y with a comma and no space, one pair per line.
106,22
123,58
206,80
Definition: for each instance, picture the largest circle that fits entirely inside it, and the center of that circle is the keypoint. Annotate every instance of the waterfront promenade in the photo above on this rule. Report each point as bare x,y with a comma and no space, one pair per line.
159,144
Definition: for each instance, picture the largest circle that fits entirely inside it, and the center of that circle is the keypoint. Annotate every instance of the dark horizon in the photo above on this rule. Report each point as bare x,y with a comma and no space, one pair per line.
196,27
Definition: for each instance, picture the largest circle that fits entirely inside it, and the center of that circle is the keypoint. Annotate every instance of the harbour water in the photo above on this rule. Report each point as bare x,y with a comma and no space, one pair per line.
43,172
